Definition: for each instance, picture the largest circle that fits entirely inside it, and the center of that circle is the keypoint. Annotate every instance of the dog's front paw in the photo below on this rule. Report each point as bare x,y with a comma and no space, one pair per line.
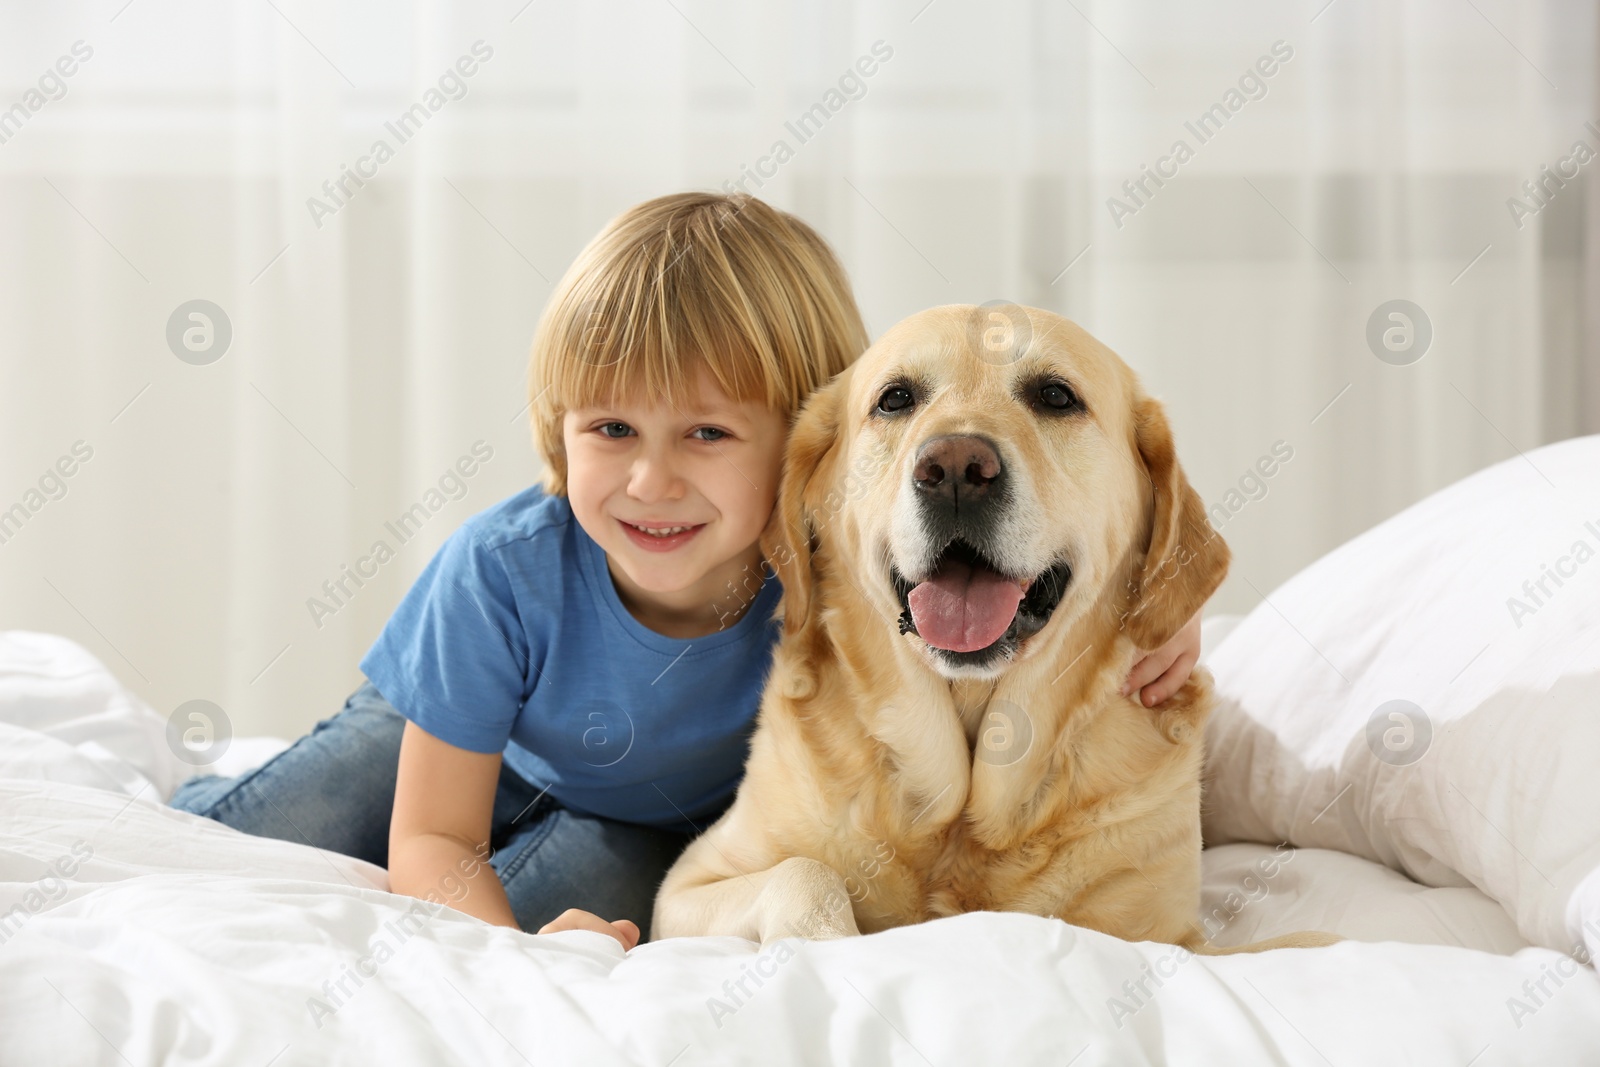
804,898
815,925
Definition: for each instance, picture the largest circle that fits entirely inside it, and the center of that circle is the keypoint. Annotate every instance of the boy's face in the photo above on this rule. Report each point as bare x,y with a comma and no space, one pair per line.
713,467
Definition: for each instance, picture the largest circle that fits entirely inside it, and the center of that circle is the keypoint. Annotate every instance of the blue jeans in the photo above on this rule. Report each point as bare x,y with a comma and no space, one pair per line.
334,789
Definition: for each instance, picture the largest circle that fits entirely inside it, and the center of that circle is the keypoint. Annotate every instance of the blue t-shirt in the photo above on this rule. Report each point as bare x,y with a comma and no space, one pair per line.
514,640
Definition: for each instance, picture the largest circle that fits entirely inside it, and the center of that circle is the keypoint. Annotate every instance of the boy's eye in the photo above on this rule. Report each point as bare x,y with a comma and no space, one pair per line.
712,429
607,425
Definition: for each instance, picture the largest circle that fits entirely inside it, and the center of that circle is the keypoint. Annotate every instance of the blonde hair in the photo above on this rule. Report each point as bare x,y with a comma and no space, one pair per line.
720,281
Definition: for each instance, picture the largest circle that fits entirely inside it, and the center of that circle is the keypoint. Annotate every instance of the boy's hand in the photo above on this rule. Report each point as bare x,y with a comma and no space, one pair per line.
624,930
1161,673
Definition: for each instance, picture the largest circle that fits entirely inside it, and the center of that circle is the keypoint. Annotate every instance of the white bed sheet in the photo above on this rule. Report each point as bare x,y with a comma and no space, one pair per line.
178,941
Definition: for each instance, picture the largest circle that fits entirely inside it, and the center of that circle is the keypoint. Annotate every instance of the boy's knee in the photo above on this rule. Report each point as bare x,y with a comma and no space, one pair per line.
373,715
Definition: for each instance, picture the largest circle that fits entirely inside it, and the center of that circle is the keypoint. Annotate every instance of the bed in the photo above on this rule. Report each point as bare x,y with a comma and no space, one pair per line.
131,933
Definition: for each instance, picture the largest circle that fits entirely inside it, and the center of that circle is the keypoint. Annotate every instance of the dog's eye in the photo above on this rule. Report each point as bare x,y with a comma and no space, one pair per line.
895,398
1058,396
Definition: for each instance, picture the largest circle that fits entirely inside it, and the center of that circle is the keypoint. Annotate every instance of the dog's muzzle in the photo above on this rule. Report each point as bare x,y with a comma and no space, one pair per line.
966,606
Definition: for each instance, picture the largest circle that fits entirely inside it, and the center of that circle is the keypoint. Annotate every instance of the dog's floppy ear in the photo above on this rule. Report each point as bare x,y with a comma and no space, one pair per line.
1185,559
790,536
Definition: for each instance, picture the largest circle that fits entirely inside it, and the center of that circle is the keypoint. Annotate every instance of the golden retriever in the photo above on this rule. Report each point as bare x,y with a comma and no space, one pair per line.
979,524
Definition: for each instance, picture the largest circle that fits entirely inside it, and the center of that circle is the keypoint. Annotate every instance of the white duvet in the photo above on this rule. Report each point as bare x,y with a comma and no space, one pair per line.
131,933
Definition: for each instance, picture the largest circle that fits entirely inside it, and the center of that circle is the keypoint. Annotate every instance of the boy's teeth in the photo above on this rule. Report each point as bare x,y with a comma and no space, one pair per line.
661,531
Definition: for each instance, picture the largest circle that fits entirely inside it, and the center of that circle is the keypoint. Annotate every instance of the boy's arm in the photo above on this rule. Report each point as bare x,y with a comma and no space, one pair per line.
439,836
1162,672
439,830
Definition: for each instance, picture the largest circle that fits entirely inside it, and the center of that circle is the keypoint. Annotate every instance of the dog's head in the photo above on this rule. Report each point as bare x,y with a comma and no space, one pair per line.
982,473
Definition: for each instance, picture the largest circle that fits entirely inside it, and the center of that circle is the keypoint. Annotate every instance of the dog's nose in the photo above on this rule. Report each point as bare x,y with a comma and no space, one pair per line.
957,465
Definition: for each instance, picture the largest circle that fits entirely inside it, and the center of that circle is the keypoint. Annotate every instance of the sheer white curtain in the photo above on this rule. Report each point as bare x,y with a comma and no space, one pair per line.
951,152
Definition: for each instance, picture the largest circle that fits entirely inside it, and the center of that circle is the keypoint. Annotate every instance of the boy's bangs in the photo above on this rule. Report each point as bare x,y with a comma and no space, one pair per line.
644,341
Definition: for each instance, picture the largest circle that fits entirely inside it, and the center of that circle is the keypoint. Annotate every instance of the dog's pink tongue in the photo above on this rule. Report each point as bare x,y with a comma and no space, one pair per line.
962,609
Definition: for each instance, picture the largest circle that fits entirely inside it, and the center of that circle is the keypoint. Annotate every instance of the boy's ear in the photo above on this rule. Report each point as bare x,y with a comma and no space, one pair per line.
791,536
1185,559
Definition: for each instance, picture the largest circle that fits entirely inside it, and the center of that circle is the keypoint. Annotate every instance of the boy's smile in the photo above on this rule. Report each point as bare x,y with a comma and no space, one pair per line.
660,536
709,472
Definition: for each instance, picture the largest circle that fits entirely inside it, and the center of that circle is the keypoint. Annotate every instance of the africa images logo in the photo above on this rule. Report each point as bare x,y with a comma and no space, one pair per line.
451,85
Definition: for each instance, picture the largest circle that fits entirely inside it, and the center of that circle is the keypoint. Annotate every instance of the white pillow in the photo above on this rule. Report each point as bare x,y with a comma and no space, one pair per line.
1490,774
53,685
